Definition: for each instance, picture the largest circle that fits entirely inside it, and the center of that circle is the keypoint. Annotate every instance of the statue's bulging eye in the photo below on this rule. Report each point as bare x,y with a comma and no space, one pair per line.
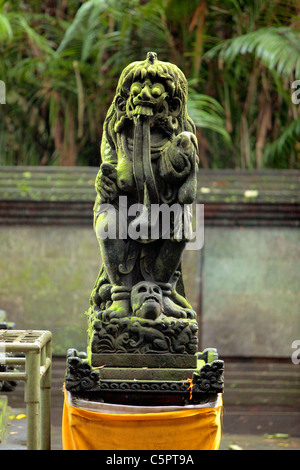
157,90
136,88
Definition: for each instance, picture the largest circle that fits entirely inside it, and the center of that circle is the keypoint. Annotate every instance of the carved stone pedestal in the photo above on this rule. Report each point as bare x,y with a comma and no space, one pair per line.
146,385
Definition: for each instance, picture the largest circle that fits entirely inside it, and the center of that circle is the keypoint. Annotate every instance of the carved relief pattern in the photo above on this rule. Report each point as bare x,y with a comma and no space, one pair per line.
135,335
210,377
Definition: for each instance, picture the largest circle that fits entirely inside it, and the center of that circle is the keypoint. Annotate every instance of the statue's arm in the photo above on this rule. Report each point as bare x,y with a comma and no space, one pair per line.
105,184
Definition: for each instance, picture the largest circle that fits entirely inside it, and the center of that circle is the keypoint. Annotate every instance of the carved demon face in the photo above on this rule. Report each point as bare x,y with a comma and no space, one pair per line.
150,88
146,300
147,97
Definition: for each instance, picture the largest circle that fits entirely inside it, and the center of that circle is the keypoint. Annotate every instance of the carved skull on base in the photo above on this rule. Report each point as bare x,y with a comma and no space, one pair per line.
146,300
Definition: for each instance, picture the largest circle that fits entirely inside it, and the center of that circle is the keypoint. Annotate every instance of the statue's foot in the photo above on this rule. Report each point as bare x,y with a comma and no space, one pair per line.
118,309
171,309
120,306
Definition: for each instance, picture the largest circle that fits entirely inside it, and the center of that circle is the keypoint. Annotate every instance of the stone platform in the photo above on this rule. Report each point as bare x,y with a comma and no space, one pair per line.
146,385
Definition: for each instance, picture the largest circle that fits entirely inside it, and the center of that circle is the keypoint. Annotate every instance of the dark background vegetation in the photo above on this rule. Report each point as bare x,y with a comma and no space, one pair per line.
61,59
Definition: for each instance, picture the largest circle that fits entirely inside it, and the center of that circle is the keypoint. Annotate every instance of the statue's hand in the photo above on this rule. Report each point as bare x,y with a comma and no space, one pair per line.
179,158
178,165
106,183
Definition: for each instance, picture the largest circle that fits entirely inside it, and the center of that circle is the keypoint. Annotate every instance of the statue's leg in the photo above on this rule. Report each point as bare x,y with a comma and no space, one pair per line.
168,260
166,264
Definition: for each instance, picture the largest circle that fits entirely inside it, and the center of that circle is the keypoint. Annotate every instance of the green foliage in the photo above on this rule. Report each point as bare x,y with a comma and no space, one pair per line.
257,61
270,45
284,146
61,61
207,113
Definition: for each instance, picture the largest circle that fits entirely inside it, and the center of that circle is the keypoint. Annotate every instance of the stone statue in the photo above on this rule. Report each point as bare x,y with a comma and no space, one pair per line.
142,331
149,160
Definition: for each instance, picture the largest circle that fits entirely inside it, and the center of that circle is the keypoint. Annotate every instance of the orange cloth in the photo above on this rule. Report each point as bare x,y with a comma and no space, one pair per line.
192,429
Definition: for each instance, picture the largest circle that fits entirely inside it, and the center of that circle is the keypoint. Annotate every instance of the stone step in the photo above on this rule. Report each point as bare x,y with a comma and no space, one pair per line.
289,398
263,383
261,366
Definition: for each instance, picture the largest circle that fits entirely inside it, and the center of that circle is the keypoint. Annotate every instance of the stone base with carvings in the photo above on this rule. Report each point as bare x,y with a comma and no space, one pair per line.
164,335
156,385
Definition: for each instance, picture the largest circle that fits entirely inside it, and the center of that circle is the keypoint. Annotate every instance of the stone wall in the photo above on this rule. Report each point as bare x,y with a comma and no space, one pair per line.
251,302
47,275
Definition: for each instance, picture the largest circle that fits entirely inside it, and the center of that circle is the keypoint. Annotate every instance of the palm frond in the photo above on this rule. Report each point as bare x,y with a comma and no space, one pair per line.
284,145
83,26
207,113
277,47
5,28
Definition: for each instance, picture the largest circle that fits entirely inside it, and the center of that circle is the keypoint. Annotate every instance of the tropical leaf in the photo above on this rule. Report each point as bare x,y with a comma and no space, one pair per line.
82,29
207,113
284,145
278,48
5,28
